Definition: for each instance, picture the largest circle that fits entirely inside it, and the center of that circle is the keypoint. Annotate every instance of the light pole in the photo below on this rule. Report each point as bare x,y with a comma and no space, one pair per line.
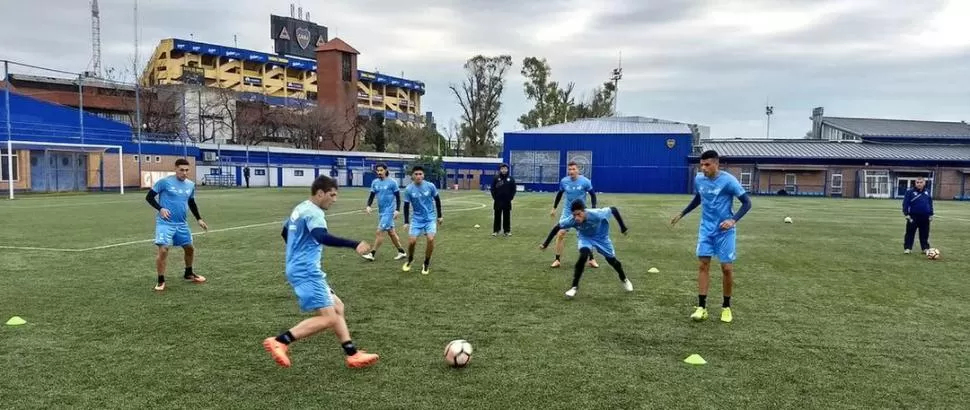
769,110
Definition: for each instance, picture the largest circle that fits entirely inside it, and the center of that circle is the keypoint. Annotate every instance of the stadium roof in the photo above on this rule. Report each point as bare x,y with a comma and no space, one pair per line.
87,81
338,45
815,149
611,125
874,127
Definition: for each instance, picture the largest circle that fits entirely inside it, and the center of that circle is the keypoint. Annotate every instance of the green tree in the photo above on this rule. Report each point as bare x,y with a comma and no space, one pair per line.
480,98
434,169
555,104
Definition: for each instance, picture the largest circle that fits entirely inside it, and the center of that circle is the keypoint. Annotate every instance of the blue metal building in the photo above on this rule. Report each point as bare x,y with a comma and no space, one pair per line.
619,154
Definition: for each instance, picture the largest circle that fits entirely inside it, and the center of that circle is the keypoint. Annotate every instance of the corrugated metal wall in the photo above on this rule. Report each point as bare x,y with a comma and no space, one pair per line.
622,163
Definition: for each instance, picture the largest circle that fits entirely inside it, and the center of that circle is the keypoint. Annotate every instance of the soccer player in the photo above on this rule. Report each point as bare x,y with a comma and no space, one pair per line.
305,233
593,229
176,195
918,209
575,187
387,192
716,233
420,195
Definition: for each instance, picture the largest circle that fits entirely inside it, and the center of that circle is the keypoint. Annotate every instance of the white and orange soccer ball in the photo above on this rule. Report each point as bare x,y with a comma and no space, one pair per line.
932,253
458,353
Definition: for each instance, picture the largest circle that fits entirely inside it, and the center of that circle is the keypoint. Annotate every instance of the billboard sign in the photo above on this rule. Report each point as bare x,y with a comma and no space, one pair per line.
295,37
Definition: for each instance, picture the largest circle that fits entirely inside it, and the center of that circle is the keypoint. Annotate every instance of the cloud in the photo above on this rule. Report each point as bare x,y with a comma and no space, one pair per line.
711,62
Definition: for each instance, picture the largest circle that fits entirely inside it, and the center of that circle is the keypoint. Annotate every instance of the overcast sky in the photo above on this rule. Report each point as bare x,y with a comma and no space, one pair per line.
712,62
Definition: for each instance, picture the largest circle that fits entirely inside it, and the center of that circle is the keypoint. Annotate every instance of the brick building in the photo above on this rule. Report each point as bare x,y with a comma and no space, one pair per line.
854,158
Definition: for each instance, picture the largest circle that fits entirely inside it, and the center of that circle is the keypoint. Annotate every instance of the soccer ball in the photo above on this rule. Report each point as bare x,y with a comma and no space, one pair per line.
458,353
932,253
787,219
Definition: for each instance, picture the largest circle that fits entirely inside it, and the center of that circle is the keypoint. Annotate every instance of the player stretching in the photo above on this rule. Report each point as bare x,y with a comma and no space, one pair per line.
176,194
575,186
305,232
593,229
387,192
420,194
716,234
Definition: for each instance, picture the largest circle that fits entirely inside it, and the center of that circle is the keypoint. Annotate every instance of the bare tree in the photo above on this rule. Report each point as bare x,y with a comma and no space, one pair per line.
480,98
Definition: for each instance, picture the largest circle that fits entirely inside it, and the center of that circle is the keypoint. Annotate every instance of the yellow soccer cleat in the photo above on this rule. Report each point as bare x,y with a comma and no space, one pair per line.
406,267
726,316
699,314
425,270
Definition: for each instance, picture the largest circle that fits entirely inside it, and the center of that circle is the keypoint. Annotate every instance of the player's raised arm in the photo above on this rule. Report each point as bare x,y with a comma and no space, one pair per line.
194,207
592,194
694,203
555,204
619,219
407,209
552,234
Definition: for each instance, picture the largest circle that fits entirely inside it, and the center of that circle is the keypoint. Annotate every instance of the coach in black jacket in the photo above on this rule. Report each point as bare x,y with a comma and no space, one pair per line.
503,192
918,209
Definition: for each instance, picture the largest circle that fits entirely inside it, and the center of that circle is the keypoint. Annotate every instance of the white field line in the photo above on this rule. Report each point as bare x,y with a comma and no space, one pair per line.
115,245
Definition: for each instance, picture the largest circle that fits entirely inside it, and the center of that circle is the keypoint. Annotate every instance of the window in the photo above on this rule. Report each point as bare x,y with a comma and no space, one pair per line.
4,175
836,184
346,69
746,180
134,157
298,172
158,159
533,167
791,182
260,172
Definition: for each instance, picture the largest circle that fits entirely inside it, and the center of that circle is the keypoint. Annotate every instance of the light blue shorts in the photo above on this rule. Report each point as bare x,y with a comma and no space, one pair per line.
603,246
172,234
385,222
422,228
719,243
312,293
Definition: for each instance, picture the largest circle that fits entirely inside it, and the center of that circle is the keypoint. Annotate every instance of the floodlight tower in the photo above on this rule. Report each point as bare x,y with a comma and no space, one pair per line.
96,38
615,77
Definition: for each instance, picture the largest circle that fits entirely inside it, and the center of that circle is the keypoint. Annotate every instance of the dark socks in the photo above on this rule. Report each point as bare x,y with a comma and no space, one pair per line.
161,279
557,257
427,262
727,302
188,272
702,301
349,348
580,266
400,250
286,338
615,263
373,252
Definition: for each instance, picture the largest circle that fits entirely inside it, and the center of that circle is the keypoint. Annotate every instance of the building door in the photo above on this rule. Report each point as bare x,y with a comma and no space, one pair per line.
905,183
876,184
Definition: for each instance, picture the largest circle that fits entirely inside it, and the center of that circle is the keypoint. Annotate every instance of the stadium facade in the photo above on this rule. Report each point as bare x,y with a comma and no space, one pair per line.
853,158
41,164
280,78
619,154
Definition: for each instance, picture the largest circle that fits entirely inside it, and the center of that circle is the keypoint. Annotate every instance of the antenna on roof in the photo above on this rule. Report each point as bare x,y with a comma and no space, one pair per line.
615,77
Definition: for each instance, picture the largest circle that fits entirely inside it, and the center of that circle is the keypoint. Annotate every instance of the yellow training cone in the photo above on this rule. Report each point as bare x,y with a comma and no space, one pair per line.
16,321
695,359
654,270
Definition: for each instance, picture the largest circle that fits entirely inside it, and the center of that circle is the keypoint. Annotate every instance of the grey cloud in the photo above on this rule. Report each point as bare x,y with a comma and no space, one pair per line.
674,67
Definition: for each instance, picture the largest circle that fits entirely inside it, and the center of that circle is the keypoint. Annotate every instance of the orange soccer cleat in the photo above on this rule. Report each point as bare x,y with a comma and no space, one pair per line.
361,359
277,350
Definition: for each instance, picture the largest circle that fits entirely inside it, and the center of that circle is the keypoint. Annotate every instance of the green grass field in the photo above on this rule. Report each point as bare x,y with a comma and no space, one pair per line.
828,311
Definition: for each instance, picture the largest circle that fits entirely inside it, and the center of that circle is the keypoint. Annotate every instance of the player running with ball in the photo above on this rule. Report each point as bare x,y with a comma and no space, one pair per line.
593,228
716,234
305,233
388,206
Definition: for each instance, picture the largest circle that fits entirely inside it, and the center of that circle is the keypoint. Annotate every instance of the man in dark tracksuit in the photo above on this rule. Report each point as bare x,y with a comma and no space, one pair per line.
503,191
918,209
